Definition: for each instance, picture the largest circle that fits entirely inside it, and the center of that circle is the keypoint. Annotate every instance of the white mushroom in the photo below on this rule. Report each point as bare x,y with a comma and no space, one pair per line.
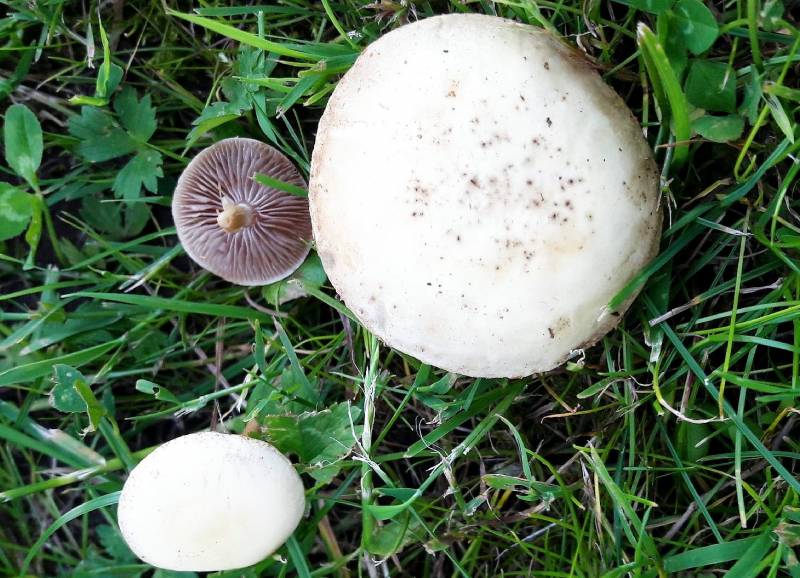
478,195
210,501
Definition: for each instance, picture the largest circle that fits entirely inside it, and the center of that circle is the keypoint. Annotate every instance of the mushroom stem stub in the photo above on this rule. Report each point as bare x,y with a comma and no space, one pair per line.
235,216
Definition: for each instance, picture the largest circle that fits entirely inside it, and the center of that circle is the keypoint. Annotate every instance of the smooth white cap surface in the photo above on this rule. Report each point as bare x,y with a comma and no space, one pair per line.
478,195
210,501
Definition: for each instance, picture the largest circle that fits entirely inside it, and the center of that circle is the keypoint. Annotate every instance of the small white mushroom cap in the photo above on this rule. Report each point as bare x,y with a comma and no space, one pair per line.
478,195
210,501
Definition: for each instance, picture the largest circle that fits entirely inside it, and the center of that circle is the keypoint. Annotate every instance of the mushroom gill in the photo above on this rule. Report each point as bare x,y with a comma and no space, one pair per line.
237,228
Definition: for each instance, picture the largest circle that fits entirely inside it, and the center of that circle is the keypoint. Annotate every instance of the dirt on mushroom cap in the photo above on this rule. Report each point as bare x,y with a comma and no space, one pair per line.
277,239
505,195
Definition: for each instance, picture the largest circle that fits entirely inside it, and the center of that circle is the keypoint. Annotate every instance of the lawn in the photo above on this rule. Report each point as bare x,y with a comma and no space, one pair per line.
669,448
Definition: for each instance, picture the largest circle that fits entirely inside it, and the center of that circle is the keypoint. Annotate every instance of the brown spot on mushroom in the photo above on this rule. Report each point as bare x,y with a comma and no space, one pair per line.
453,89
235,227
561,324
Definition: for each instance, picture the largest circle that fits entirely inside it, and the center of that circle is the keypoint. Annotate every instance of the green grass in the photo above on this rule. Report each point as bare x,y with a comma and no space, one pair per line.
671,447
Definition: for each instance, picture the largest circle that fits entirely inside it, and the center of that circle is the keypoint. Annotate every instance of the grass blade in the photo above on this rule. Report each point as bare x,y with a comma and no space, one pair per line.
76,512
663,75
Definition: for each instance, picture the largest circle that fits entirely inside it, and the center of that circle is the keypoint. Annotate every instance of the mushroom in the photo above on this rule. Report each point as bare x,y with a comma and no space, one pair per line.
243,231
478,195
210,501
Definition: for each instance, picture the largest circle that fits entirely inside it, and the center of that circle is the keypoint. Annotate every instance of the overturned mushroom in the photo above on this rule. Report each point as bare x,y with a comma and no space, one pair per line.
210,501
243,231
504,194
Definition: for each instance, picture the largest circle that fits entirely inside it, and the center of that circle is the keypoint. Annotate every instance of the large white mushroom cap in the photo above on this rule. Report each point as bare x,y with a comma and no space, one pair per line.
210,501
478,195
